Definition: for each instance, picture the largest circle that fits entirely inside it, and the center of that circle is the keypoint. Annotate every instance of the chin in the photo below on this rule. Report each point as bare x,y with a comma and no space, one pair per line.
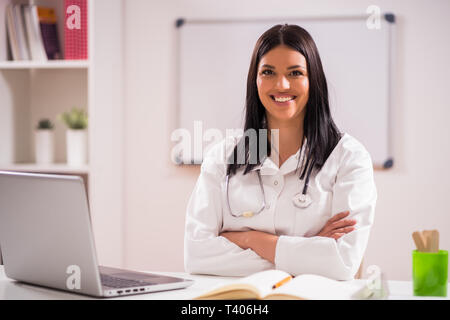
283,115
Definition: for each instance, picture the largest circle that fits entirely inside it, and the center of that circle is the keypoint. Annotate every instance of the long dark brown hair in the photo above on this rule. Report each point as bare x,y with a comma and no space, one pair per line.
320,130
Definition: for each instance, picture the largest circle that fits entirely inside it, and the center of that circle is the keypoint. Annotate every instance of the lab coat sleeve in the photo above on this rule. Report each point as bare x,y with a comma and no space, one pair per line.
354,191
205,252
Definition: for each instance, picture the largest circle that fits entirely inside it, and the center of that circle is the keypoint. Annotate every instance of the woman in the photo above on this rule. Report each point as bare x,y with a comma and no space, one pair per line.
304,206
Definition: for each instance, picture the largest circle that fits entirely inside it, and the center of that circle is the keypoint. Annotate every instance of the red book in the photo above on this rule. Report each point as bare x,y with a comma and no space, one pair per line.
76,29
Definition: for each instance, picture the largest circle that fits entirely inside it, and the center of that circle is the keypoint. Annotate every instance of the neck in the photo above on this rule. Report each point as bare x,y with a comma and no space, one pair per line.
289,140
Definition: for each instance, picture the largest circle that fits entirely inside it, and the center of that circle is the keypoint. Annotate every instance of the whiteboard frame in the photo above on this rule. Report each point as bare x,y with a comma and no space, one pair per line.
389,17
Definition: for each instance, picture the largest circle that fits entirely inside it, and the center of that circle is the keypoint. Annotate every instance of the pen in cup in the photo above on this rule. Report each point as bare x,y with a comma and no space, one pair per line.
426,241
429,265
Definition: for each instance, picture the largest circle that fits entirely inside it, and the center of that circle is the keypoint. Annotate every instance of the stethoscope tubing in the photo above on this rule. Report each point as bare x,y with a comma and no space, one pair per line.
264,205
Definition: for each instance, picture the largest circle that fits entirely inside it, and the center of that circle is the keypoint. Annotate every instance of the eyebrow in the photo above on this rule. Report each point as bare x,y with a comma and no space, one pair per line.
289,68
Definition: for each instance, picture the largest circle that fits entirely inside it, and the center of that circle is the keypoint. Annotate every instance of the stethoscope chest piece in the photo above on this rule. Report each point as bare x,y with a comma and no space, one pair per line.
301,200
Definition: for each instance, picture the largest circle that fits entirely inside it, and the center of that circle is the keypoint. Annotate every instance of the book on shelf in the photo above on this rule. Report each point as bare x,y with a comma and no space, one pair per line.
13,34
20,32
49,32
4,48
76,29
35,43
279,285
32,33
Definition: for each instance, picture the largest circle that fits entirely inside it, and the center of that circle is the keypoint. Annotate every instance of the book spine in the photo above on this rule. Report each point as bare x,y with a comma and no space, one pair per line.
21,39
12,35
36,29
76,29
30,33
23,32
3,33
49,32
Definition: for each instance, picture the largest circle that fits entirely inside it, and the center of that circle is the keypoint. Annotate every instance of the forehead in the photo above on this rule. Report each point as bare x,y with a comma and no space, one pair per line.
282,57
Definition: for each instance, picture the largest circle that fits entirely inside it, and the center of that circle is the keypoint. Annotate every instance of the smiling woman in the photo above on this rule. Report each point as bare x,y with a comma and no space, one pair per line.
315,184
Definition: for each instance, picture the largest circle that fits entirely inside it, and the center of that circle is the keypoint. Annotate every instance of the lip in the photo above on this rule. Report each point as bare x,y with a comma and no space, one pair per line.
283,104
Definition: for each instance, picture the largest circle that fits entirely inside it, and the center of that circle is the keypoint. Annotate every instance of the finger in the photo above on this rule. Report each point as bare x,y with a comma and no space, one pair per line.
336,236
329,227
344,230
342,224
329,224
339,216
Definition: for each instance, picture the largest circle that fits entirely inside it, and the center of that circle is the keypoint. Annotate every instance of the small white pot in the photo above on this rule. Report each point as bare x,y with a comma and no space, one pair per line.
76,143
44,146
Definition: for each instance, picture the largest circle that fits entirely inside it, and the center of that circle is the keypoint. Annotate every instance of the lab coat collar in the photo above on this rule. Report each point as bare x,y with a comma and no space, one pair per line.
269,165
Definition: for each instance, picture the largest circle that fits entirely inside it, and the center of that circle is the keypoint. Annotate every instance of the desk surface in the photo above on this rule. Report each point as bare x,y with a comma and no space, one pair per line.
10,289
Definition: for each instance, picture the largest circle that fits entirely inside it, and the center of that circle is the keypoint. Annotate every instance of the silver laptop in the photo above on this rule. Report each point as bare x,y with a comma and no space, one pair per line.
46,239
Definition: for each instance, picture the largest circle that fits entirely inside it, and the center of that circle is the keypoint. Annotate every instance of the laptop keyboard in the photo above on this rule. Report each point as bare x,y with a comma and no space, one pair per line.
114,282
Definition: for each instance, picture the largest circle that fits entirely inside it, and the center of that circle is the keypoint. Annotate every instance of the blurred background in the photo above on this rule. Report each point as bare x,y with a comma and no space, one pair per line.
127,84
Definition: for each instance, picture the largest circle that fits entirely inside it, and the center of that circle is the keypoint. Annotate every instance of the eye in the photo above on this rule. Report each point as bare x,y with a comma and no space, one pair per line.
267,72
297,73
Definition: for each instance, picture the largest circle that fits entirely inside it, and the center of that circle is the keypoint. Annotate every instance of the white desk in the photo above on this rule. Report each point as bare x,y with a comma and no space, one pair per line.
10,289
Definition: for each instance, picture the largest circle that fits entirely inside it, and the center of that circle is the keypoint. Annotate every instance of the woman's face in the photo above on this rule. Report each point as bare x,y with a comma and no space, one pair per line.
283,84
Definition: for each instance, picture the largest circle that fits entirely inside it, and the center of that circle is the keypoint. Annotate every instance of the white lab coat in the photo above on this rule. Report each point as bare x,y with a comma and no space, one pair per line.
345,183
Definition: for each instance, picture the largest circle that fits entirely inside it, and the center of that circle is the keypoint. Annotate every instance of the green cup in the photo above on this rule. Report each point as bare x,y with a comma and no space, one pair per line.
430,273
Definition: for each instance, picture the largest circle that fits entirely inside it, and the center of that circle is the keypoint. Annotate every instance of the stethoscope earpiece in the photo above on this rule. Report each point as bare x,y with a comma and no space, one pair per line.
247,214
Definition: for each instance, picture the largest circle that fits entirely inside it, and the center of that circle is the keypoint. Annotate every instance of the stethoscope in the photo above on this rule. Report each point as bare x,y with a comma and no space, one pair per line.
300,200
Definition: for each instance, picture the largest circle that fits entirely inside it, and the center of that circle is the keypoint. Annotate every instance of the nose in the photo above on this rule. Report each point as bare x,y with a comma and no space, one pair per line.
282,83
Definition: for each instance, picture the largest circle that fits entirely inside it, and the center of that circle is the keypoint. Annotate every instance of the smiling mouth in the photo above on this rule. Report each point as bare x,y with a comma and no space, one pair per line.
282,99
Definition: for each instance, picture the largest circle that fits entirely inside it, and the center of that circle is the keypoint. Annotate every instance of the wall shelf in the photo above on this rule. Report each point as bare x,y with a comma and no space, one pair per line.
45,168
55,64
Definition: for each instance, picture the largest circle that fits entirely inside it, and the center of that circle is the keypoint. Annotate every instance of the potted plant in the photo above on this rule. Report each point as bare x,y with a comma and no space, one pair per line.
44,142
76,121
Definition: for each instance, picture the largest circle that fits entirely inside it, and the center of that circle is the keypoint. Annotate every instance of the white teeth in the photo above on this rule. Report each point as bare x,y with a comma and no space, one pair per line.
283,99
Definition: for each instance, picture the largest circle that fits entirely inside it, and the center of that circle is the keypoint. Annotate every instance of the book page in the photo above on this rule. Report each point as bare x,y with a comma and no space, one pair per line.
309,286
265,280
260,283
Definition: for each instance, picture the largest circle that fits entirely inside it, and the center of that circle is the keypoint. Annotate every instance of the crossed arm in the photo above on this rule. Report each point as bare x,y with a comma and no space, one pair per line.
264,244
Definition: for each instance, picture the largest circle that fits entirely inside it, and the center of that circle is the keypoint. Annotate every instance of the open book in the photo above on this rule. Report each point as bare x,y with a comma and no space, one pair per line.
277,284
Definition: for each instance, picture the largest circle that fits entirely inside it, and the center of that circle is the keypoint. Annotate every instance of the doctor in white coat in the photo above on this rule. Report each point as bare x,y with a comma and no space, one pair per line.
307,203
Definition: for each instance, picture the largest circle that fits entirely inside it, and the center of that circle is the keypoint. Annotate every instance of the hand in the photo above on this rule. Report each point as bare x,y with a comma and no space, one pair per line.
337,226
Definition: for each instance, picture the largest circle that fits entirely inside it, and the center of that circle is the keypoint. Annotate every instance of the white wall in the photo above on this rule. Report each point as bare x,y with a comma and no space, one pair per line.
106,120
412,196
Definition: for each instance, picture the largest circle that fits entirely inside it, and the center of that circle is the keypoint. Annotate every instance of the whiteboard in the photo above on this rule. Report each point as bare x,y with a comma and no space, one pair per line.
214,58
